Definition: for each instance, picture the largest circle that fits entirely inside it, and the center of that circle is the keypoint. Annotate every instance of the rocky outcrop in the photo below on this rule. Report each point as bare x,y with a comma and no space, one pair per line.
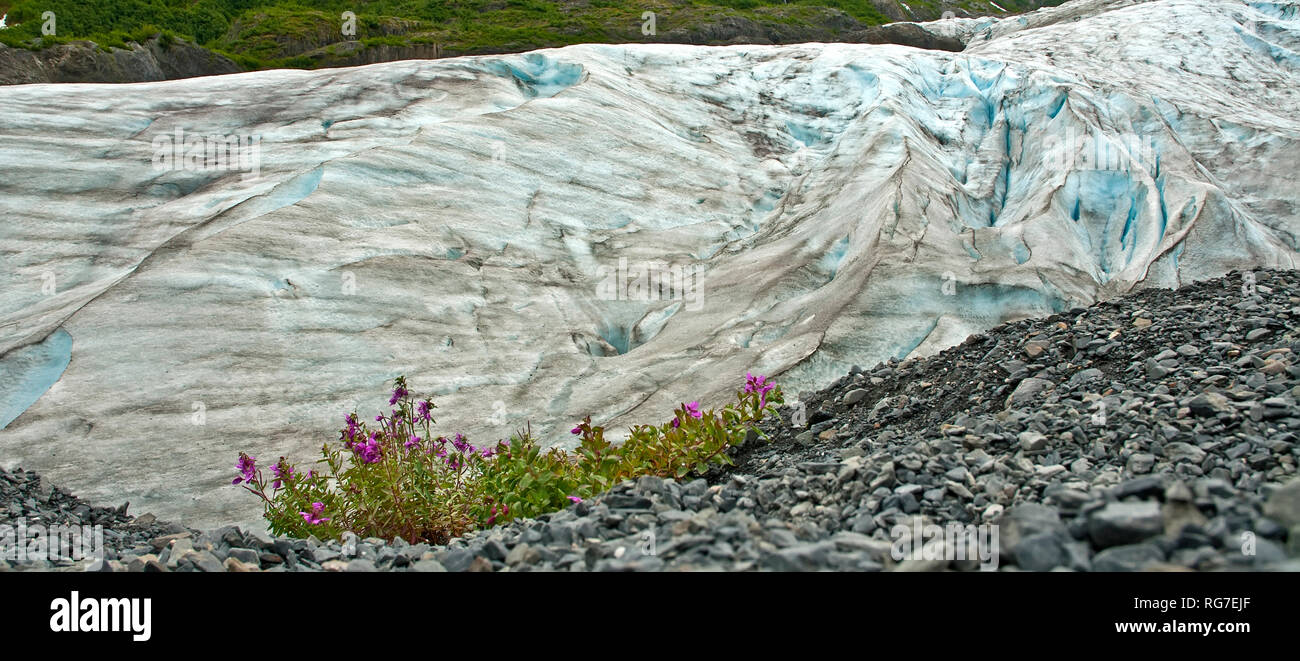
85,62
355,53
906,34
727,30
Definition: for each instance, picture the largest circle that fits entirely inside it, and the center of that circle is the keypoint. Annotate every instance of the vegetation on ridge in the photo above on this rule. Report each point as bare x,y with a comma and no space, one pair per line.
260,34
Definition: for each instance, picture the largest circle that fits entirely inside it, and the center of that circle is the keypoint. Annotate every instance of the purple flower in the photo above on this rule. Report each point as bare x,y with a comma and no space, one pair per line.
370,452
576,430
247,466
351,421
461,445
575,499
422,411
692,409
398,393
759,385
379,418
281,473
314,517
412,443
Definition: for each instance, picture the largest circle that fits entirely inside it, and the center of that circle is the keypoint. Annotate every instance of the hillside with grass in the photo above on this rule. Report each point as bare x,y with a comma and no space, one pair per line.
269,34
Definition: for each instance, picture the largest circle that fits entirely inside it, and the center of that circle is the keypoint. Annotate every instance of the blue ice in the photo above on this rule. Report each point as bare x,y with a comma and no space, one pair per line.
30,371
538,75
830,262
808,135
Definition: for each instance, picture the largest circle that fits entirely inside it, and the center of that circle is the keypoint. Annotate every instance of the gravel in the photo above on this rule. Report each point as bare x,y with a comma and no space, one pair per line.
1153,432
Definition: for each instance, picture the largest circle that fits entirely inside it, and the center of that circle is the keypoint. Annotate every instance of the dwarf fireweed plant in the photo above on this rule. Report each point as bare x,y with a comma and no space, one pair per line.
391,477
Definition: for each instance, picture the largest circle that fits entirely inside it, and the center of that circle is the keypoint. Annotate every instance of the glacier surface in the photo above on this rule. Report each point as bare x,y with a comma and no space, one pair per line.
603,230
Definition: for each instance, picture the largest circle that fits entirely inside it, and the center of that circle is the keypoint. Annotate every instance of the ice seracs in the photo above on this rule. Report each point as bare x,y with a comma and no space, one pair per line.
457,220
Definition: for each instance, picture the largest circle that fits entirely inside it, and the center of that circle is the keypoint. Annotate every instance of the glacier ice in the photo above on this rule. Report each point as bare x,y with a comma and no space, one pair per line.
451,220
29,371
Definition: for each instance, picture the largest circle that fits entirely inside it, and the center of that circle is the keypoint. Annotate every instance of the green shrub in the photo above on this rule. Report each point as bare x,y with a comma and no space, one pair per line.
398,480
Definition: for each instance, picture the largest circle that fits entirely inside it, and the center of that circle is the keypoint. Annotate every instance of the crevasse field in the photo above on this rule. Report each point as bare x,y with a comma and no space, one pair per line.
498,228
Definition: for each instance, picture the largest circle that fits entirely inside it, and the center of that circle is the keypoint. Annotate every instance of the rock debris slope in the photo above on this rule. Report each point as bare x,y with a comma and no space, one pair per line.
457,221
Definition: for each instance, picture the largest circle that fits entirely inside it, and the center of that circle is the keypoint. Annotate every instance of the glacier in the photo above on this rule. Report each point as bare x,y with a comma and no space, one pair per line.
786,210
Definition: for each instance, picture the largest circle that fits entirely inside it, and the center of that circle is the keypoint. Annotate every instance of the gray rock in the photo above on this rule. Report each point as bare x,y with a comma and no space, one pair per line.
361,565
1032,441
1140,463
561,534
627,501
1142,487
1028,519
1134,557
781,537
456,560
1184,452
801,557
1283,505
430,566
1027,389
1084,376
864,524
246,556
206,562
523,554
1209,404
494,550
1078,556
1040,552
258,540
1125,523
854,396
